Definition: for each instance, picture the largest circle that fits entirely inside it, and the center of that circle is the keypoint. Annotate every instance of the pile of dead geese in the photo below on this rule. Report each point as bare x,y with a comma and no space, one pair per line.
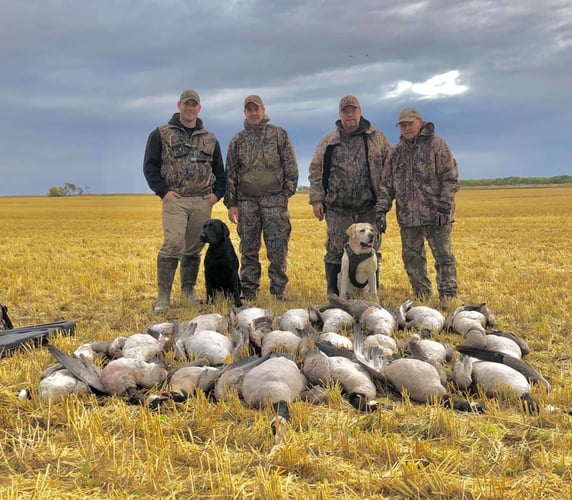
273,360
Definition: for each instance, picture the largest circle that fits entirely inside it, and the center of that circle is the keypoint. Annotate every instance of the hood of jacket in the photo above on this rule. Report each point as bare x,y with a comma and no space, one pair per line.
362,127
265,120
176,120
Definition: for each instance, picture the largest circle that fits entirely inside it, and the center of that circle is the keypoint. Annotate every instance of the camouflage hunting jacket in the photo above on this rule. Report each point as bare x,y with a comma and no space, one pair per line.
186,161
260,161
423,176
345,172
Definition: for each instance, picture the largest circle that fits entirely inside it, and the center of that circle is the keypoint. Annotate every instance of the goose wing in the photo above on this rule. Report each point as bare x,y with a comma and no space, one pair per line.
520,342
81,368
498,357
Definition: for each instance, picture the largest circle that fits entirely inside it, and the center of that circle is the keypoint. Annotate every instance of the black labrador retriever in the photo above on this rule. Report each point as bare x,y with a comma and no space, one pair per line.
221,262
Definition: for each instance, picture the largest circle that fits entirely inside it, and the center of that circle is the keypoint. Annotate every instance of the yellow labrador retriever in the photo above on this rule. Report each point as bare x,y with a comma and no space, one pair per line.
359,263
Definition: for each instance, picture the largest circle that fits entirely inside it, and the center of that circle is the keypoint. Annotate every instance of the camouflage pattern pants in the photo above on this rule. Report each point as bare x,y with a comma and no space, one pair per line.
415,258
267,217
337,223
183,219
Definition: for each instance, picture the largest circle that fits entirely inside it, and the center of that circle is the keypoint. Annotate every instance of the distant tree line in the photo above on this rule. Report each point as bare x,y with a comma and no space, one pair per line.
517,181
505,181
68,189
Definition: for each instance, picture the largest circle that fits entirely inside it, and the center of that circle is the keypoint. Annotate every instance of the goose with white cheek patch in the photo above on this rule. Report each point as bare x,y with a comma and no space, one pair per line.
277,381
127,376
280,341
57,383
521,366
323,364
245,317
184,330
432,348
478,337
422,318
335,319
213,346
186,380
462,319
419,379
93,350
143,346
337,340
381,341
494,378
231,376
371,315
122,377
298,319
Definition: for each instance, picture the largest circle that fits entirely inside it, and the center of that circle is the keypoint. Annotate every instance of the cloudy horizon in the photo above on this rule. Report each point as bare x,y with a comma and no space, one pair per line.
84,83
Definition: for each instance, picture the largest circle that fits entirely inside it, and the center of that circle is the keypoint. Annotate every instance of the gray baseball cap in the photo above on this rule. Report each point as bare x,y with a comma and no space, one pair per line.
349,100
408,115
189,95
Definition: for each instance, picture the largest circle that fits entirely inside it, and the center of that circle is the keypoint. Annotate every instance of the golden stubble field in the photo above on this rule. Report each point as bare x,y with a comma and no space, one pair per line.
92,259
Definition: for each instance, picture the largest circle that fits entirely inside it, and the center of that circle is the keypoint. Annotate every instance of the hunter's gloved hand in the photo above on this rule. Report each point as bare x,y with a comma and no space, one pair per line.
443,215
380,222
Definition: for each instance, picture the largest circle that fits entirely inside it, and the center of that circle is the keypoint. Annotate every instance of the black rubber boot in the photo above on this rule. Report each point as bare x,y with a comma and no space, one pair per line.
166,267
189,273
332,271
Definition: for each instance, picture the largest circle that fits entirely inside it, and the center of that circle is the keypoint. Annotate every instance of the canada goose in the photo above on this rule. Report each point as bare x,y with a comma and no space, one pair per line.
379,340
211,321
432,348
230,377
476,336
213,346
280,341
184,330
517,364
93,350
494,378
277,381
338,365
165,328
297,319
462,319
185,380
256,330
416,351
142,346
245,317
371,315
337,340
57,383
123,376
418,378
524,349
335,319
422,318
115,349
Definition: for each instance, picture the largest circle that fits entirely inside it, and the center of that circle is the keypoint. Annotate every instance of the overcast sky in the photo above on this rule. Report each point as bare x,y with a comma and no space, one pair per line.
82,84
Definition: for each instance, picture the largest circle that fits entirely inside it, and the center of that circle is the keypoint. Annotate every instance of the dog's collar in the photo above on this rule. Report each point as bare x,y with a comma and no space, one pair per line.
355,259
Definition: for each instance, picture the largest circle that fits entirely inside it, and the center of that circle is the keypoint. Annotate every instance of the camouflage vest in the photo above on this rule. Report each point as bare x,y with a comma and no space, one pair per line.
187,159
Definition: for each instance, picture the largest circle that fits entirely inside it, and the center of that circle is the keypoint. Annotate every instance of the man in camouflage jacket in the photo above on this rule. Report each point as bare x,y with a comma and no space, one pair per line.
345,174
261,175
423,180
183,165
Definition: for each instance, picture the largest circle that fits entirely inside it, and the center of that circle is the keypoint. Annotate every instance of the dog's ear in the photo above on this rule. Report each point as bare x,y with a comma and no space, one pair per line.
351,231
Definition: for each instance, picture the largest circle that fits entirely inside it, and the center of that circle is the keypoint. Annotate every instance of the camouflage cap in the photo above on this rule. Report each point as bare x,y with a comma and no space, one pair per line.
253,99
349,100
408,115
189,95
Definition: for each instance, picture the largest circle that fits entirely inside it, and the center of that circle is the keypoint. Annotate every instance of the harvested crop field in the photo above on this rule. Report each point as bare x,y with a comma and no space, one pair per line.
92,259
